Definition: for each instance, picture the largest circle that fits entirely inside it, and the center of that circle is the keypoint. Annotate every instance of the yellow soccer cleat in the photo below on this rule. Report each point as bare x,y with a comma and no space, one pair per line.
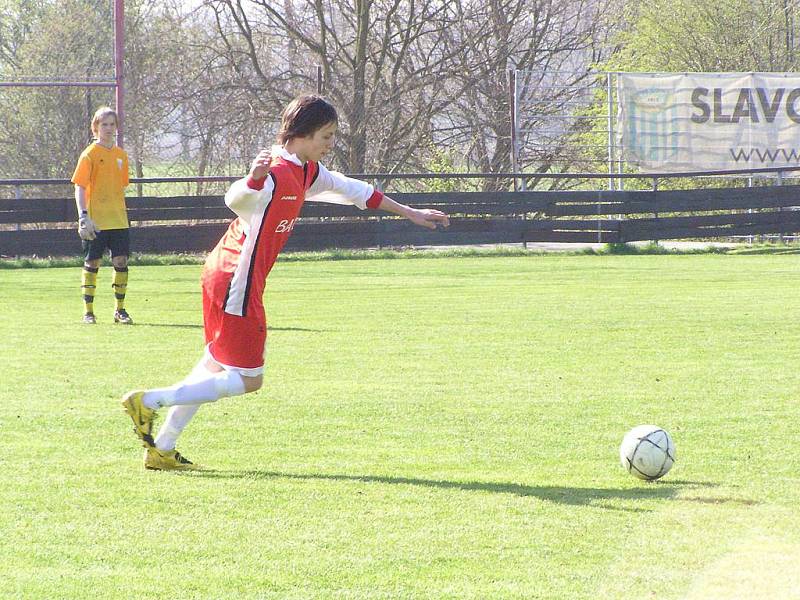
166,460
141,416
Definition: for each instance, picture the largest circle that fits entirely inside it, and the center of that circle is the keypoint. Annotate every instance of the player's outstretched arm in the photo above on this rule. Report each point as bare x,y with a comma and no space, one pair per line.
425,217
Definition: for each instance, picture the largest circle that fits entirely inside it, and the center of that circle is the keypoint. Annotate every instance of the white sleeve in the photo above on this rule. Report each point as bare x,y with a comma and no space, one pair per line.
335,188
245,201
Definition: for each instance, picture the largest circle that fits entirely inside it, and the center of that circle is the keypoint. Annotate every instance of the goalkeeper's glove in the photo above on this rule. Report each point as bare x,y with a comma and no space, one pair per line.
86,227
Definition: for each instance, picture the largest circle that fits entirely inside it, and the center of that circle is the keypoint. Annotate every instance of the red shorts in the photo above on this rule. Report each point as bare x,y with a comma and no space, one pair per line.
235,341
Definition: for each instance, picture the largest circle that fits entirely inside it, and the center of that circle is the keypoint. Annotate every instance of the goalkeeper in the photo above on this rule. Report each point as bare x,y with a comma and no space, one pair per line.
100,180
267,203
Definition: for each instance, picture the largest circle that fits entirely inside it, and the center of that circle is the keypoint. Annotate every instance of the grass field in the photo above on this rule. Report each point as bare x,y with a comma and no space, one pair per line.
443,428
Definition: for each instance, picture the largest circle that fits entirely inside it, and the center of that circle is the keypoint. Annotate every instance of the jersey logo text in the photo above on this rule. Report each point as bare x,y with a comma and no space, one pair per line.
285,226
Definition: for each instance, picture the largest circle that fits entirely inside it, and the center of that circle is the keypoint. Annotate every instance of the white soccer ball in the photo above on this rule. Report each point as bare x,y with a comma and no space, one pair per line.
647,452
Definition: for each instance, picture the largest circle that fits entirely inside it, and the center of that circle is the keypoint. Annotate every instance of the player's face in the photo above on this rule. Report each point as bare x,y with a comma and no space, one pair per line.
107,129
320,142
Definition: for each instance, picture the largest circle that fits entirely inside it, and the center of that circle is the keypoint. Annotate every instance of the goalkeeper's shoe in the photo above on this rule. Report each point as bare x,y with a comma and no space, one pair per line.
89,319
122,316
141,416
166,460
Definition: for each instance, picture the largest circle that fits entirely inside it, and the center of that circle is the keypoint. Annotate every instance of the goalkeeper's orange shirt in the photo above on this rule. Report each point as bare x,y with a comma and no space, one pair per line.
103,172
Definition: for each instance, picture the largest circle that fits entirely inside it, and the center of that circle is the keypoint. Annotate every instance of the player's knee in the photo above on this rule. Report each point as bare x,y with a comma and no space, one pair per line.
120,262
252,384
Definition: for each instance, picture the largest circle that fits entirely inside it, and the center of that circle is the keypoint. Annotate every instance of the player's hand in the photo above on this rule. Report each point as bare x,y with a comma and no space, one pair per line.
429,217
260,166
86,228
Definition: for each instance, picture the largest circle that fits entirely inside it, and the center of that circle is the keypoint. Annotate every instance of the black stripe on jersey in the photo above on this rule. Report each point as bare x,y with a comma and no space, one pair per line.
316,174
255,247
227,293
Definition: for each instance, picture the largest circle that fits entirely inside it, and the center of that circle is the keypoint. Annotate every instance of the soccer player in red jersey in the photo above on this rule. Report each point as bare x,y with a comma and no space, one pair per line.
267,203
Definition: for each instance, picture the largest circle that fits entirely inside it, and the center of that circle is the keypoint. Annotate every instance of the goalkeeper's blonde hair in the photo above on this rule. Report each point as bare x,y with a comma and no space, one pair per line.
100,114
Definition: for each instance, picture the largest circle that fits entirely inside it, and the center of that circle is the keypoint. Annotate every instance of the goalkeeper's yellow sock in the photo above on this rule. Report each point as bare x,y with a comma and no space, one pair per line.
120,286
88,286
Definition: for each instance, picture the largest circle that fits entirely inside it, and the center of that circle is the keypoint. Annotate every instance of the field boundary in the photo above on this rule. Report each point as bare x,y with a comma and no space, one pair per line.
45,227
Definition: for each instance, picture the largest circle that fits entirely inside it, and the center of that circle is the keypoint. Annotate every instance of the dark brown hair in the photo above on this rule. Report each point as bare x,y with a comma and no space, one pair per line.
304,115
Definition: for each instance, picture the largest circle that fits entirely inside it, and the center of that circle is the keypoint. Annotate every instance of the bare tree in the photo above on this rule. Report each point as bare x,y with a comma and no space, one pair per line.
553,45
413,76
382,63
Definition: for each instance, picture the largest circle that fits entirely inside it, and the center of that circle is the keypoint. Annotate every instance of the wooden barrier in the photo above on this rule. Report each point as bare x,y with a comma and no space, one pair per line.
45,227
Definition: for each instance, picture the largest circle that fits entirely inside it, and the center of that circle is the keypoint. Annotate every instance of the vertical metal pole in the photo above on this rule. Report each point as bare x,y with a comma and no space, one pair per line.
319,79
89,106
780,208
750,237
610,92
610,128
512,109
523,182
599,218
381,225
18,196
618,151
119,57
655,197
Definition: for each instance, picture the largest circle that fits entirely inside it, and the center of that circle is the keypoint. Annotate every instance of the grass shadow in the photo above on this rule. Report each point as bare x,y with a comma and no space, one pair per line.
271,328
170,325
574,496
187,326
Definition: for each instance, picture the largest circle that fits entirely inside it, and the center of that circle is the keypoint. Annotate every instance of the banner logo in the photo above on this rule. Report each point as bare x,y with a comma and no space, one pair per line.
652,135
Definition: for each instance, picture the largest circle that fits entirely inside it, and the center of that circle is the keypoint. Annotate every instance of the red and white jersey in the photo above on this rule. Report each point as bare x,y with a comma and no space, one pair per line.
235,272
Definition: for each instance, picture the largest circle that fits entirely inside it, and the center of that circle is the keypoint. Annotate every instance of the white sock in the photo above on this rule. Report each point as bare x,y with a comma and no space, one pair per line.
177,419
209,389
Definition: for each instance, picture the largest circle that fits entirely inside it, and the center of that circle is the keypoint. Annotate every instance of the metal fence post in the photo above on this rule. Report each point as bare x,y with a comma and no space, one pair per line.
750,238
617,151
610,144
377,186
512,109
119,62
18,196
610,107
655,190
782,238
599,218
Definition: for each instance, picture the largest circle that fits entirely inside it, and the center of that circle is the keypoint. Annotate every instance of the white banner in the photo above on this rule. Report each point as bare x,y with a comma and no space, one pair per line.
709,121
